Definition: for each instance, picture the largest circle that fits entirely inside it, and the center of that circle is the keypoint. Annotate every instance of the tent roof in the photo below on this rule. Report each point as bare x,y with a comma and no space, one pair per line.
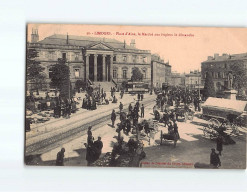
227,104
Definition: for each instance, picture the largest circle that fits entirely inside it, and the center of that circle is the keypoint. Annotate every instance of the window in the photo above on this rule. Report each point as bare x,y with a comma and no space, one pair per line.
114,58
124,58
144,59
50,73
223,75
114,73
77,73
215,75
76,56
219,74
64,56
50,55
144,74
134,59
125,74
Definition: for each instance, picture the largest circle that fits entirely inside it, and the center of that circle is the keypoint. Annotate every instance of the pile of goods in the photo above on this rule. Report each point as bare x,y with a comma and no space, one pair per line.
123,155
105,161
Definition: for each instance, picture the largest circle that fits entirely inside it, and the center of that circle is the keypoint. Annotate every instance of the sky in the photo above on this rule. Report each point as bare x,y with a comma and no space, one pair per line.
184,53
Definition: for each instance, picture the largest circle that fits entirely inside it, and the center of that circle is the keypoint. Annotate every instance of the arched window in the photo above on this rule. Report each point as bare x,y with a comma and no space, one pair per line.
125,73
114,73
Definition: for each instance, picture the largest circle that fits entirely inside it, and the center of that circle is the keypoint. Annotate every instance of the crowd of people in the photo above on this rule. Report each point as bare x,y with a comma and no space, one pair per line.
64,107
175,96
130,119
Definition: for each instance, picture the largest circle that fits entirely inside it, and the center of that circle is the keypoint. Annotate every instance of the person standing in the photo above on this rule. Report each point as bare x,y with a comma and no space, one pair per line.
219,144
130,107
175,127
98,147
214,159
120,107
27,124
60,158
138,96
142,111
128,125
113,117
166,118
142,97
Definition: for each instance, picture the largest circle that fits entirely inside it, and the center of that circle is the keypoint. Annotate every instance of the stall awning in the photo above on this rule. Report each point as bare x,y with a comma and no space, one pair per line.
226,104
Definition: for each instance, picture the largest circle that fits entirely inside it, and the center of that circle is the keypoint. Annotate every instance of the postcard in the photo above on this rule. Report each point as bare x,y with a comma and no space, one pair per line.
135,96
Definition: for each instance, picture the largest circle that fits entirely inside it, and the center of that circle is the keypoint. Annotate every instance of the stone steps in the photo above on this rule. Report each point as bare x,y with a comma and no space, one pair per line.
105,85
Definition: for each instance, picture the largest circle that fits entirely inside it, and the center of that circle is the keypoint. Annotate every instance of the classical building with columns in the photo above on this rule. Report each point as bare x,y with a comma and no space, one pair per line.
92,58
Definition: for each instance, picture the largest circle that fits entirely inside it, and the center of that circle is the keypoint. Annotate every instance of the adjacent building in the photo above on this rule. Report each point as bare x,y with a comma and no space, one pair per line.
160,71
177,79
193,80
219,67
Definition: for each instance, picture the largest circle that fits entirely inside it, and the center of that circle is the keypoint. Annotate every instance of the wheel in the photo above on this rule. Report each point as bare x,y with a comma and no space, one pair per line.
213,123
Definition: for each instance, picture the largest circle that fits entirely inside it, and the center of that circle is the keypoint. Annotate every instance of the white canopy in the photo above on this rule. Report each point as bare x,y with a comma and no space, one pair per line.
227,104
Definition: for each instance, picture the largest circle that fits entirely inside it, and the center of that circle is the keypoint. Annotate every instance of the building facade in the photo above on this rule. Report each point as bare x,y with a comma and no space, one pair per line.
160,71
219,68
193,80
177,79
92,58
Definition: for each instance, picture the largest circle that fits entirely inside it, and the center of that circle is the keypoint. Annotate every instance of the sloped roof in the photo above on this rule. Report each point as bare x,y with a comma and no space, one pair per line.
227,104
83,41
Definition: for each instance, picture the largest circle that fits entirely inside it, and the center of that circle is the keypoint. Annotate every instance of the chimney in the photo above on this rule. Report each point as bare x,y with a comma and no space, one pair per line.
34,36
124,44
132,43
210,58
216,55
225,55
67,40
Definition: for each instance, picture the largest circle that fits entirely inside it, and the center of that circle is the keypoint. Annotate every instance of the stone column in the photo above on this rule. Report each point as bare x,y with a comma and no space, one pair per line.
95,67
104,70
87,67
110,67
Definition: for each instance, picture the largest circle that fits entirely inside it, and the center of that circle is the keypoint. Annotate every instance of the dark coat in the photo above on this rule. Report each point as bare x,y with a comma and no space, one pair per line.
59,161
215,160
98,145
219,143
113,116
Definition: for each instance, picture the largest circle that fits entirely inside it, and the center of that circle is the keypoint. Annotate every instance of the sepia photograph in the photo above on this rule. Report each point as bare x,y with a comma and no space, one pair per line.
135,96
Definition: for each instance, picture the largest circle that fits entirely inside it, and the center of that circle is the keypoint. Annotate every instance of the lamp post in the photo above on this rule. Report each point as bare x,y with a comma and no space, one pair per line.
199,85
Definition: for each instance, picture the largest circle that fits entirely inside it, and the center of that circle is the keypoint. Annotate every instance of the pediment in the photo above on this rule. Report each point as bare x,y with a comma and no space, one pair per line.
100,46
